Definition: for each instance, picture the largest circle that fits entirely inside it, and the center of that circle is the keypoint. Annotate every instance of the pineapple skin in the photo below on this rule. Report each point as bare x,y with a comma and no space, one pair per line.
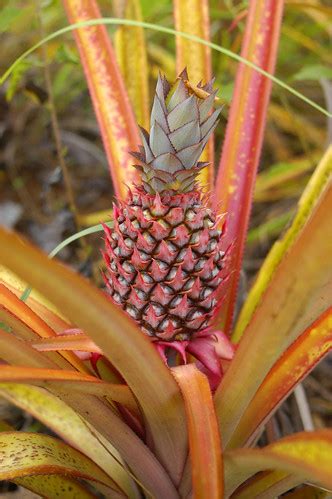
163,257
164,263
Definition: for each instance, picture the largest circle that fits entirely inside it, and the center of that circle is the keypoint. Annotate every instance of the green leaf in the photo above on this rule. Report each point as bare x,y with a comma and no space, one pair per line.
8,15
313,72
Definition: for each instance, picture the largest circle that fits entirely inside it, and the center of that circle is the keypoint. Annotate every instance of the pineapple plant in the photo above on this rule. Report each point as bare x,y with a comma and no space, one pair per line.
163,258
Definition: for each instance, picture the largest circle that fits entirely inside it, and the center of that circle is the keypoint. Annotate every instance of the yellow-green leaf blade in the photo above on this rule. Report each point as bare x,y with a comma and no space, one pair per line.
63,420
276,483
192,16
131,55
54,486
25,454
204,440
307,455
272,483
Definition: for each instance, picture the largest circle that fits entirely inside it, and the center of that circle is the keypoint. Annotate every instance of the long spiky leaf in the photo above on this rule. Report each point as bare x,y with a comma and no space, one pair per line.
135,358
111,103
244,138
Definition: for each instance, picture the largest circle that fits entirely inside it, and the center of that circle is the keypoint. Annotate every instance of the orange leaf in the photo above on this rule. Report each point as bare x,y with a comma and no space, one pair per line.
17,307
192,16
63,381
298,293
27,324
244,136
111,103
298,360
77,341
307,455
204,438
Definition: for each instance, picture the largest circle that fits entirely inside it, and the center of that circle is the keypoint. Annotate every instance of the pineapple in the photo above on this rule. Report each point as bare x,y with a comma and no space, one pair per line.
163,257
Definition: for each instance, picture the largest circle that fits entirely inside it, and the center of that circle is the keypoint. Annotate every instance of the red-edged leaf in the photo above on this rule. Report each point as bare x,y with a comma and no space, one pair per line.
298,360
77,341
192,16
298,293
307,455
320,180
244,136
111,102
122,342
204,439
66,381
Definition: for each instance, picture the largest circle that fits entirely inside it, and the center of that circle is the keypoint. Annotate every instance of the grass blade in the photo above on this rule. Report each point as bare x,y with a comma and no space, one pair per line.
169,31
244,137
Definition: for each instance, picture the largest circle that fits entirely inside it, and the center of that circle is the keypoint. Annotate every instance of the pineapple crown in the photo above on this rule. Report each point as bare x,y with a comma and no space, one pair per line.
181,124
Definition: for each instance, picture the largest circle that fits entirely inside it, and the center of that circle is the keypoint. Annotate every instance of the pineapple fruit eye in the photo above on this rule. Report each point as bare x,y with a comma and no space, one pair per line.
165,256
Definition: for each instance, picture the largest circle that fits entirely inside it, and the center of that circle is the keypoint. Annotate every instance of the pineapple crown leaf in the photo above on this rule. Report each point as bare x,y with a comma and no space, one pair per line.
181,124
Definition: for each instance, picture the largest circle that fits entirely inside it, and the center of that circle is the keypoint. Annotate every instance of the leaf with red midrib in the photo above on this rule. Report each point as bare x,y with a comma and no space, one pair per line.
110,100
244,136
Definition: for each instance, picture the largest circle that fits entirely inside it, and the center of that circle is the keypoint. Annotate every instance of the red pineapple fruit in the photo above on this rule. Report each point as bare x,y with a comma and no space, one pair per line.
163,257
